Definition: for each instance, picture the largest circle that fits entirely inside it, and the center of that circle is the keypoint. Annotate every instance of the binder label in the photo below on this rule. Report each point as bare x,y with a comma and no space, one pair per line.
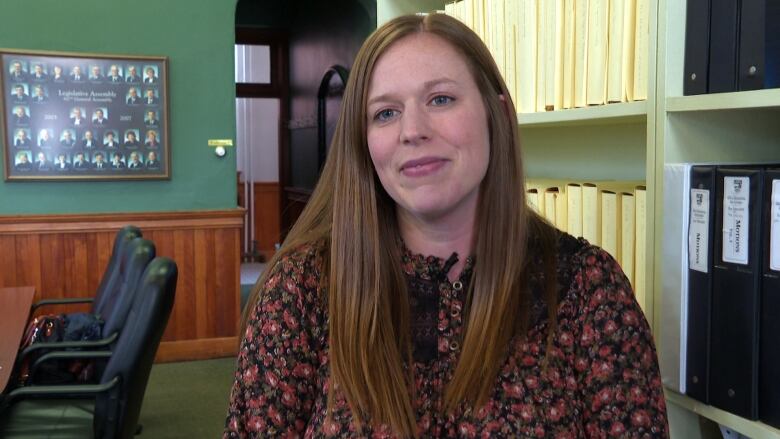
698,236
736,215
774,233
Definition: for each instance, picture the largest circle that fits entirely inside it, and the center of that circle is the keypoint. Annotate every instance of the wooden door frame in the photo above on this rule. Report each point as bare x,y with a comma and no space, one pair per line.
279,88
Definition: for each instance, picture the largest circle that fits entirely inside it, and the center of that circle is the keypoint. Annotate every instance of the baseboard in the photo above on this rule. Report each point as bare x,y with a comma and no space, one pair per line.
200,349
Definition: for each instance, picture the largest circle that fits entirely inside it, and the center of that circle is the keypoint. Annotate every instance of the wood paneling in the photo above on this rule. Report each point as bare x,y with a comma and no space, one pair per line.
65,256
266,214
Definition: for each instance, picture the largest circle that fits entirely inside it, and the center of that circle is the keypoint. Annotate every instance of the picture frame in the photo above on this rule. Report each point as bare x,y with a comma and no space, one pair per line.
73,116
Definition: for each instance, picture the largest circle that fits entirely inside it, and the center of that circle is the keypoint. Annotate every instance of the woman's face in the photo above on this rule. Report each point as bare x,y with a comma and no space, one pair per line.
427,128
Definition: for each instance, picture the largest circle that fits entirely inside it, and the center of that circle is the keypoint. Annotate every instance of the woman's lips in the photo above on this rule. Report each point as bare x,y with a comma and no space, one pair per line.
422,167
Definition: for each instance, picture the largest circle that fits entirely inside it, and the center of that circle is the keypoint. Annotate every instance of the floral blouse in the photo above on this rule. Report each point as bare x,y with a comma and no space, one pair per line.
601,380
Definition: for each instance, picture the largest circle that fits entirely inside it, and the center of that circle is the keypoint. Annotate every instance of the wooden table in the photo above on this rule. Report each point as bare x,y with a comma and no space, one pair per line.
14,311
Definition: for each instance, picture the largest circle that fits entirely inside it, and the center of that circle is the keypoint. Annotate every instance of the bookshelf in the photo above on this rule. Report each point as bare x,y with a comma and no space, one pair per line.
633,141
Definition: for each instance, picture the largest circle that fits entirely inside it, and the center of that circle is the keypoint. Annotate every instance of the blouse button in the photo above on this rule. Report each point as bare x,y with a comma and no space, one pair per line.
457,285
454,312
454,346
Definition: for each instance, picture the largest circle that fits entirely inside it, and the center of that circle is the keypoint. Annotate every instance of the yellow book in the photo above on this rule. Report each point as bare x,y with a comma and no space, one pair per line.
641,49
526,55
610,223
544,58
568,54
615,89
627,234
535,201
555,206
591,210
580,52
468,16
640,207
510,28
574,209
629,26
598,26
557,65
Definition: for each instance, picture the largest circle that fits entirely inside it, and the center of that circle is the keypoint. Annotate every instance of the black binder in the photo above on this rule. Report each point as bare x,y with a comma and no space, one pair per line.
759,45
701,244
697,47
769,378
733,384
723,46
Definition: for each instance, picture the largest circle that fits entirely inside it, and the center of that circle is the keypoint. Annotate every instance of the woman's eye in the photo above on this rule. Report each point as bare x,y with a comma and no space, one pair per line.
441,100
384,115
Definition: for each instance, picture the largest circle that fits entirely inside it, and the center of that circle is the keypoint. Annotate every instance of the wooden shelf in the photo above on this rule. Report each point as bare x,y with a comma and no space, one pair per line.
725,101
628,112
744,426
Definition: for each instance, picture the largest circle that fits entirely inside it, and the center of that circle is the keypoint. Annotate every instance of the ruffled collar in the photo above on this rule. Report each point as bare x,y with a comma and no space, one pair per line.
432,267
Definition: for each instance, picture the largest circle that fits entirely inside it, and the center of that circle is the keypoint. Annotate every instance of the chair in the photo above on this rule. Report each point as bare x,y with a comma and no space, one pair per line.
108,284
118,396
115,306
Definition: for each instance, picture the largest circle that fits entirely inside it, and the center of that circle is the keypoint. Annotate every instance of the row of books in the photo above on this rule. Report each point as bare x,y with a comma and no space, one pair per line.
558,54
721,287
731,46
609,214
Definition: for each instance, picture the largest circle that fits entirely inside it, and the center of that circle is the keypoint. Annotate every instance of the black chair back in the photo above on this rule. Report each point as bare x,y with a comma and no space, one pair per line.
117,411
109,284
138,254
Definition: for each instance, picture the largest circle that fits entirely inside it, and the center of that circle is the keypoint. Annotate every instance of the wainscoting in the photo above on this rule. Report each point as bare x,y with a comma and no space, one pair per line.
266,214
65,256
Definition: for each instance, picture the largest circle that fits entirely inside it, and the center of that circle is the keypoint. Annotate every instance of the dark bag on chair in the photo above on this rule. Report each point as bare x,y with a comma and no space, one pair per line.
54,328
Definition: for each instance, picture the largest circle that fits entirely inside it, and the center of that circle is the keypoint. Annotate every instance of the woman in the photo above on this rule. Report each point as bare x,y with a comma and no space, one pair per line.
417,295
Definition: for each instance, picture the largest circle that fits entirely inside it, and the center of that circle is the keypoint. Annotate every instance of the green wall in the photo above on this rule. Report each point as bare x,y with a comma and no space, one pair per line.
197,36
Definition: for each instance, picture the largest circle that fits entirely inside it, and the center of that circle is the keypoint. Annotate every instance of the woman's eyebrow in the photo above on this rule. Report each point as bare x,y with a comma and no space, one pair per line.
427,85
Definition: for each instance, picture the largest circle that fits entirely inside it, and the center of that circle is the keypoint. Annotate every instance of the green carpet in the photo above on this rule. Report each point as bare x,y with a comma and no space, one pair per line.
182,400
187,400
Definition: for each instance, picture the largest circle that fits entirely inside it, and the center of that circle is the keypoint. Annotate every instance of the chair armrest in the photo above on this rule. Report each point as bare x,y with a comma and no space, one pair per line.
67,355
66,391
46,302
61,345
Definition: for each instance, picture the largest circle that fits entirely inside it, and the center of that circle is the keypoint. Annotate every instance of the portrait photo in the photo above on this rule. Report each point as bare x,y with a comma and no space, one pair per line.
151,75
95,74
114,75
45,138
133,96
77,74
110,139
99,161
39,72
135,161
150,118
132,74
131,139
100,116
62,162
22,138
152,139
43,162
40,94
57,73
21,115
78,116
151,97
23,161
81,161
68,138
18,70
89,140
20,93
117,161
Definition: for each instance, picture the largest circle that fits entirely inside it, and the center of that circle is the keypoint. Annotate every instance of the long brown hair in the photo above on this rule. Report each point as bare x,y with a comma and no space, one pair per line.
354,220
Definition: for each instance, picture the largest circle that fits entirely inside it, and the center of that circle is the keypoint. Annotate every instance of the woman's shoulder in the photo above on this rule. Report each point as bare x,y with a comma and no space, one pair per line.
297,273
